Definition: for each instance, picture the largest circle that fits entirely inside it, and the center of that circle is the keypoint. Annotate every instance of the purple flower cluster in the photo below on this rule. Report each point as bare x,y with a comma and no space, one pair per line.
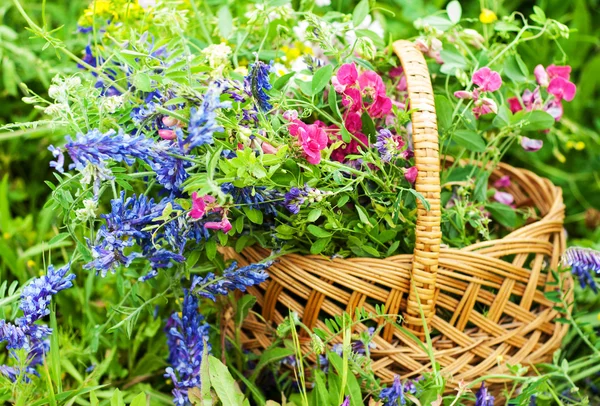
294,199
233,278
585,264
388,145
395,394
483,397
24,334
258,81
258,197
187,337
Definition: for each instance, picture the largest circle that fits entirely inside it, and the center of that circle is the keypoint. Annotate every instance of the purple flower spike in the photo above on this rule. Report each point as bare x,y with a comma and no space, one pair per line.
483,397
584,263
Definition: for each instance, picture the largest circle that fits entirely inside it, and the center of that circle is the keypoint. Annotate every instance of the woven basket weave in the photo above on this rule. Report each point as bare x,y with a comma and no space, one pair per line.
484,304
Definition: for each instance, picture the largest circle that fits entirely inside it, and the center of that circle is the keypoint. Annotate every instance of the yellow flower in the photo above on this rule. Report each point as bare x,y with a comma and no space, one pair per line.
6,236
598,316
579,145
30,263
570,144
487,16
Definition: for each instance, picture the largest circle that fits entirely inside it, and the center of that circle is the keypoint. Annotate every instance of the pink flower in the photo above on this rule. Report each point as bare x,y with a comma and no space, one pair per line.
541,76
352,122
544,76
337,86
503,182
347,74
484,106
167,134
201,205
371,84
396,72
380,107
268,148
514,104
290,115
504,198
561,88
223,225
531,145
554,108
352,99
487,79
313,140
463,94
411,173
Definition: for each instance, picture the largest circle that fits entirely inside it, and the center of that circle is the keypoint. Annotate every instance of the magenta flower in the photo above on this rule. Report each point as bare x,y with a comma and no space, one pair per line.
504,198
487,79
352,99
562,89
410,174
381,106
223,225
503,182
544,76
339,154
313,139
483,106
290,115
371,84
167,134
353,122
531,145
268,148
200,205
347,74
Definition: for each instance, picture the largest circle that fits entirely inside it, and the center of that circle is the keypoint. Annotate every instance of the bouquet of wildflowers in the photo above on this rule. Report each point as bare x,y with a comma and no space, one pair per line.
283,128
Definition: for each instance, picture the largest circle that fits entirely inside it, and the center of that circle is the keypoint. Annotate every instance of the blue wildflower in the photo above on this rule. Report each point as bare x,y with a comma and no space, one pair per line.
186,337
388,145
294,199
395,394
483,397
258,81
171,171
203,120
257,197
233,278
346,401
585,264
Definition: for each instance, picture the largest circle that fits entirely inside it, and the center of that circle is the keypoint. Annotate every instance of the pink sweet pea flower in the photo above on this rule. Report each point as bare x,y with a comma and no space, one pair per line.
290,115
352,122
531,145
554,108
396,72
541,75
487,79
268,148
313,140
223,225
561,88
410,174
504,198
381,106
503,182
559,72
463,94
371,84
337,86
514,104
347,74
167,134
484,106
201,206
352,99
351,148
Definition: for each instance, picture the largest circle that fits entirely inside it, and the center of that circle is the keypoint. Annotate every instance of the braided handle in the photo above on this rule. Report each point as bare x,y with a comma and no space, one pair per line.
421,299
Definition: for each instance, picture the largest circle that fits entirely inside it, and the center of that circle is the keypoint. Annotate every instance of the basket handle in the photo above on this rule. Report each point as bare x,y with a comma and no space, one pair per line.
428,235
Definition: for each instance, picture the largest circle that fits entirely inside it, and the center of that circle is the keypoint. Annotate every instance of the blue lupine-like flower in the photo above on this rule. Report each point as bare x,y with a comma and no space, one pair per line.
483,397
203,120
36,296
108,252
388,145
170,171
346,401
186,337
24,334
233,278
258,197
258,81
395,394
584,263
294,199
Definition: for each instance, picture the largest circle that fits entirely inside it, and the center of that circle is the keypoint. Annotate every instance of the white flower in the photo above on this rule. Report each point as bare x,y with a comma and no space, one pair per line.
217,56
300,30
367,24
322,3
279,69
147,3
88,211
55,109
299,65
111,104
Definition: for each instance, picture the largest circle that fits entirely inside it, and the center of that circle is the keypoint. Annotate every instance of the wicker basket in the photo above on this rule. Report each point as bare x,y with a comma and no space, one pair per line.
506,277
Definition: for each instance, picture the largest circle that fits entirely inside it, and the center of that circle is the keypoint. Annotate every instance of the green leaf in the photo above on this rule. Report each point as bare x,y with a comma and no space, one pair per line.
481,185
470,140
313,215
371,251
321,78
443,110
503,214
319,245
5,217
211,249
225,21
439,22
117,398
453,60
362,214
142,82
360,12
205,378
535,120
515,69
503,117
318,232
368,126
139,400
502,26
273,354
243,307
454,11
281,81
352,386
255,216
223,383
